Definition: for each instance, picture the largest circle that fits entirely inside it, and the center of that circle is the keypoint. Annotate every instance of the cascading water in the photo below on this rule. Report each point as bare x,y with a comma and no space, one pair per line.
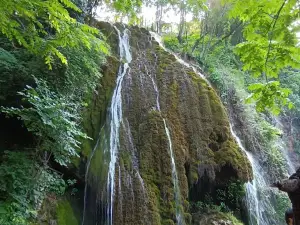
255,206
87,173
158,39
179,216
259,195
178,204
116,120
283,148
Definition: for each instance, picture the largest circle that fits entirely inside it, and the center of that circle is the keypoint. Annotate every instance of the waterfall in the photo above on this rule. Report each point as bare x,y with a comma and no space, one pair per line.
179,216
259,195
177,194
260,204
116,119
283,148
87,173
254,205
159,41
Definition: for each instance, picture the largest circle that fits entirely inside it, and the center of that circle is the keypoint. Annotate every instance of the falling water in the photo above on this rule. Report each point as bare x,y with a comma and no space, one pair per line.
254,206
179,216
157,94
87,173
258,193
158,39
283,148
116,119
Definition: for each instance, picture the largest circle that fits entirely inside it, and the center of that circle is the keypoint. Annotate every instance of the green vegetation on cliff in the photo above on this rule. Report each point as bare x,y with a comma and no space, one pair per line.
57,82
42,108
65,214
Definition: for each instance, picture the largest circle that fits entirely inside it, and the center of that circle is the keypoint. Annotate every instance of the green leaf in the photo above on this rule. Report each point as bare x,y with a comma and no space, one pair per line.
256,86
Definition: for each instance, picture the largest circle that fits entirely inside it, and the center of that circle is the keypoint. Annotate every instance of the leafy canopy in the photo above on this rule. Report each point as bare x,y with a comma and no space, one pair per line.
270,45
44,27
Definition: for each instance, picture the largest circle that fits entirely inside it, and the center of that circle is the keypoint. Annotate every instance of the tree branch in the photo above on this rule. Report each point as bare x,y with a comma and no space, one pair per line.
227,35
271,36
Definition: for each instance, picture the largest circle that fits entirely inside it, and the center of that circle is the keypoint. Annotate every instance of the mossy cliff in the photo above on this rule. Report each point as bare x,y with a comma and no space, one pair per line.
59,211
158,87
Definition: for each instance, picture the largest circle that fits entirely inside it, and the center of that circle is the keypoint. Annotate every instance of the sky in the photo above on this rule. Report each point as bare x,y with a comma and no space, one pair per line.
147,12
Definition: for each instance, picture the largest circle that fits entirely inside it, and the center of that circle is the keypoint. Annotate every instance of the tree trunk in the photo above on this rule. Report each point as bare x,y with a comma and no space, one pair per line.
159,9
182,22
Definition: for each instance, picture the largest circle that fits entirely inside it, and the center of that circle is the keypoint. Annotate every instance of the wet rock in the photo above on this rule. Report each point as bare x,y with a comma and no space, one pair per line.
158,87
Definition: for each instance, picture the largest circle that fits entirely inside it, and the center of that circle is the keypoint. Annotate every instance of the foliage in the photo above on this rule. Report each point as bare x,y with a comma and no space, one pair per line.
53,118
51,100
281,201
171,42
12,75
24,185
270,46
207,205
44,27
225,199
232,195
291,118
269,96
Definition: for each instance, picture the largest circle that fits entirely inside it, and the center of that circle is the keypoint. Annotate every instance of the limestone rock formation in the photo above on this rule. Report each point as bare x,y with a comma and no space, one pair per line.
157,88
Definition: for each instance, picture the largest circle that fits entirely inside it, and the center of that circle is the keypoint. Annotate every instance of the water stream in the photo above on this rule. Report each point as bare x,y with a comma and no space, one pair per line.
87,173
259,194
261,204
116,119
178,204
283,148
179,216
256,207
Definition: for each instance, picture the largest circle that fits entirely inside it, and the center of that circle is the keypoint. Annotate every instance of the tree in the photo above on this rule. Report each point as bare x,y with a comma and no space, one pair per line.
270,45
43,27
184,7
215,27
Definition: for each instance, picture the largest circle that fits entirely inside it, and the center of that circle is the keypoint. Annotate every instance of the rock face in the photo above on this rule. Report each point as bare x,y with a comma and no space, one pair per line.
158,95
216,218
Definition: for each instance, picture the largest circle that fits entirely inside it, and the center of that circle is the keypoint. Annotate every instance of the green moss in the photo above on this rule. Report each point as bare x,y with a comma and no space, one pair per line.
168,222
65,214
214,217
230,154
188,218
198,125
126,160
174,92
95,114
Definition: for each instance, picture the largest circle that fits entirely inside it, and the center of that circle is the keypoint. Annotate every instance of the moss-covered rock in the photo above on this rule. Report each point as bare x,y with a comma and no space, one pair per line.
215,218
65,214
156,88
57,210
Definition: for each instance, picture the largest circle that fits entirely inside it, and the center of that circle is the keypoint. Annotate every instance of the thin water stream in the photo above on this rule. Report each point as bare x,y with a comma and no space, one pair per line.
116,119
177,194
179,216
258,193
87,173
